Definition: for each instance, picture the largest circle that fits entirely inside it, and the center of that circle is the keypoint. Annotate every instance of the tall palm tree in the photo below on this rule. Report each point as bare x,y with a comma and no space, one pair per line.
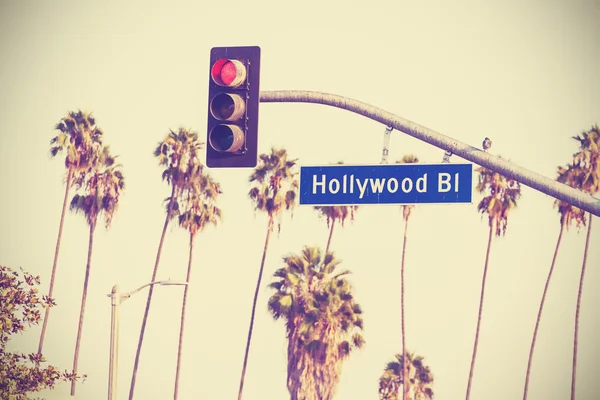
568,215
77,132
501,195
586,171
323,322
179,153
199,211
406,210
419,378
102,187
274,190
333,214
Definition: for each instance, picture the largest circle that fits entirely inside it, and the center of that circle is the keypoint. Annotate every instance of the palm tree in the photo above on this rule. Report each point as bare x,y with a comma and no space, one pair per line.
198,211
333,213
501,197
102,187
323,322
274,190
179,153
586,177
77,133
420,378
568,215
406,210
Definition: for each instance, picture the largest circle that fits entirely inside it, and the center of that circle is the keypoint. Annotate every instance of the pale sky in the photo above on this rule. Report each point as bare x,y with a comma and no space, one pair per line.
523,73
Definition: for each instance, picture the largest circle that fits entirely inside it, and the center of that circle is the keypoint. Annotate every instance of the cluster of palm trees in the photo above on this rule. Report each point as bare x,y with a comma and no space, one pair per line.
311,293
500,197
98,181
582,173
193,201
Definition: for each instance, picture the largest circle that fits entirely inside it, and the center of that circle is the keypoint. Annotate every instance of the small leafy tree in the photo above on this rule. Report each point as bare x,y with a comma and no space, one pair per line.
20,307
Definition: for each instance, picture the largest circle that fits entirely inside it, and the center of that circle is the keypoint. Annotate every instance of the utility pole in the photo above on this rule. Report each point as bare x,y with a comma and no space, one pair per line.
116,298
532,179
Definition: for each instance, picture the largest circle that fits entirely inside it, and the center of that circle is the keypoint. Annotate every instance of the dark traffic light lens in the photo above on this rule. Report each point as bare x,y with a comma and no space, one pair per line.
223,138
227,107
226,138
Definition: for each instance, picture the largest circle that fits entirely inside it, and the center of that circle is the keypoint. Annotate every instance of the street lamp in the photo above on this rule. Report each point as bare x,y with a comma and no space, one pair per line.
116,299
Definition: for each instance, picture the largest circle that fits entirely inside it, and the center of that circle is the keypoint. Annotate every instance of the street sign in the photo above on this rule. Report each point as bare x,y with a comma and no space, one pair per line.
385,184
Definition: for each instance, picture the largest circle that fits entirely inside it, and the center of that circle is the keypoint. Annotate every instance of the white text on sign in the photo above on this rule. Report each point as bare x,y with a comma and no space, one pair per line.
347,184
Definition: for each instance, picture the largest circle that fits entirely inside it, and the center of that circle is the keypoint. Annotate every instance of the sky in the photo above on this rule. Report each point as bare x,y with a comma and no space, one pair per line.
524,74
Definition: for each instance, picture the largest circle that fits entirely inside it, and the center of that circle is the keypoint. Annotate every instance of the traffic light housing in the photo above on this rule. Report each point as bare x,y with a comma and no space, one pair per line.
233,97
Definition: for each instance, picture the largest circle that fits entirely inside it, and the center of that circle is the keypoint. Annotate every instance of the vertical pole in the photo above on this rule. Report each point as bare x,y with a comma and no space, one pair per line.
114,344
116,356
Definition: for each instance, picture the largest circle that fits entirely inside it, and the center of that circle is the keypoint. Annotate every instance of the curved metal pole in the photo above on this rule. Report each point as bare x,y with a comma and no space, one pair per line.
532,179
125,296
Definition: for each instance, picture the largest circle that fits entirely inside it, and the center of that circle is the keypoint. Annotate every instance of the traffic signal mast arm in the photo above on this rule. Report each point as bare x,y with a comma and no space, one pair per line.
532,179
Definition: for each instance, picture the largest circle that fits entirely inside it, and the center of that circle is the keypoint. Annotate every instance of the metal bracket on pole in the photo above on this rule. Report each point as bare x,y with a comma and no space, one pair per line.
386,144
447,155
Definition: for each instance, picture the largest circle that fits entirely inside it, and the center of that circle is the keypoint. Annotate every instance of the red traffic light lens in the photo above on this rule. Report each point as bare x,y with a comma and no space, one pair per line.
227,107
226,138
230,73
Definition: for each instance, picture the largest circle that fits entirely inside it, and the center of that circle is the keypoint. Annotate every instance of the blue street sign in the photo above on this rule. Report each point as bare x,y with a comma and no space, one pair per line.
386,184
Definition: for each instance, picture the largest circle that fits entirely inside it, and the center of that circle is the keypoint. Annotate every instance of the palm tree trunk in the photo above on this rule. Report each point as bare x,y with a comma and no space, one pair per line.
150,291
83,300
585,252
539,316
185,292
487,258
260,273
405,384
329,238
55,263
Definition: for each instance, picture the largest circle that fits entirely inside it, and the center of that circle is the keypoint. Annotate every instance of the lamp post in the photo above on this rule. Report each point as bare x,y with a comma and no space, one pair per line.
116,299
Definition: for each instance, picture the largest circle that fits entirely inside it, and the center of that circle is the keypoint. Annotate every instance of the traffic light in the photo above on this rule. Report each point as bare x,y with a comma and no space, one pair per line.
233,96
